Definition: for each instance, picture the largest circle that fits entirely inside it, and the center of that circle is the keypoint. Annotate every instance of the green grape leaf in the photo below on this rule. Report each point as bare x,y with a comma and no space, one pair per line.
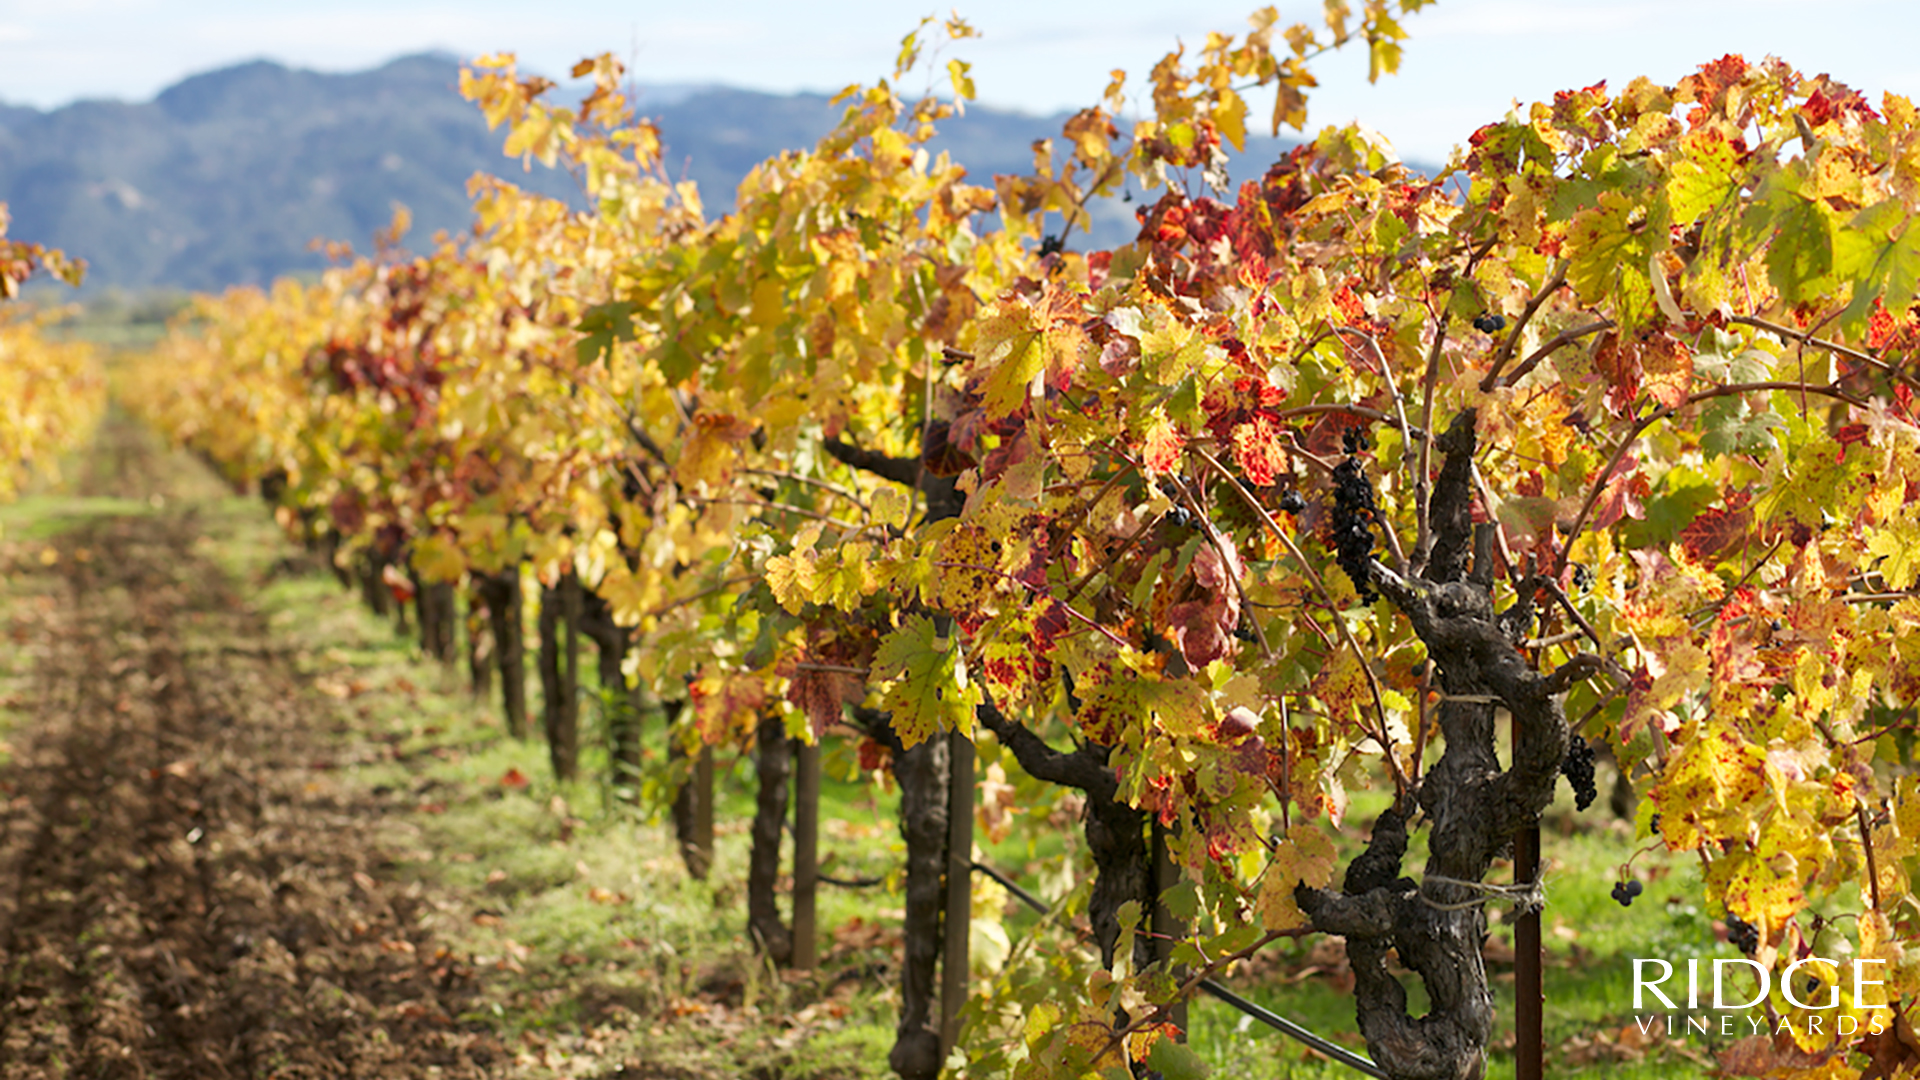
600,327
1177,1061
930,690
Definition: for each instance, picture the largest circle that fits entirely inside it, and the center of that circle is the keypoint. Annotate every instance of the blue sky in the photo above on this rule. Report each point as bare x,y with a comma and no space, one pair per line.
1466,63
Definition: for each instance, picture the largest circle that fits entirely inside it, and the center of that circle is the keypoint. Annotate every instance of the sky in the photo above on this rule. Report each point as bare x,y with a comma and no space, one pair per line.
1466,63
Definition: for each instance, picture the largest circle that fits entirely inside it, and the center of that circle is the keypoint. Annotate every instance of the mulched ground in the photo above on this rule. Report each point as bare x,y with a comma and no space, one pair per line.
178,898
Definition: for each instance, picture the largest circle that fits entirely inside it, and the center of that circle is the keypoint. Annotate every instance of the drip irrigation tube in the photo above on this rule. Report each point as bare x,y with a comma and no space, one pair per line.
1272,1019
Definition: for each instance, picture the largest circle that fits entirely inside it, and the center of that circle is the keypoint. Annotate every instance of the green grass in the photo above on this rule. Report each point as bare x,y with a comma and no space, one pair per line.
603,947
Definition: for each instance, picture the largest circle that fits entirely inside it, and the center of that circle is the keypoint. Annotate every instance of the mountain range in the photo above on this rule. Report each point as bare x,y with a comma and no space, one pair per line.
227,177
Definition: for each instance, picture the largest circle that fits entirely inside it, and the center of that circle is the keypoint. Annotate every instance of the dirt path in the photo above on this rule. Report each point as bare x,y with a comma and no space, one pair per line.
177,899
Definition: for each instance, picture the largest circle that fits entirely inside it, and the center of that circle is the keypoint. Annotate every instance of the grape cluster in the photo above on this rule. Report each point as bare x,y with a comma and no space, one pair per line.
1625,891
1354,512
1742,934
1490,323
1180,517
1292,501
1582,577
1577,767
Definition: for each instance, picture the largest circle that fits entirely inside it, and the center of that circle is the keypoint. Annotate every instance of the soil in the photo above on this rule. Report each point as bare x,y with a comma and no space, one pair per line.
179,897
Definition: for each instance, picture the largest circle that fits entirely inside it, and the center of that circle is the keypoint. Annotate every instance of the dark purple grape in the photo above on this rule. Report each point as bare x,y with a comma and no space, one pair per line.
1351,523
1292,501
1490,323
1582,577
1577,767
1742,934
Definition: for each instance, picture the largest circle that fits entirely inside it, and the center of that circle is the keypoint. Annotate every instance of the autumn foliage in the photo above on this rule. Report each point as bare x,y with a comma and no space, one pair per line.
864,446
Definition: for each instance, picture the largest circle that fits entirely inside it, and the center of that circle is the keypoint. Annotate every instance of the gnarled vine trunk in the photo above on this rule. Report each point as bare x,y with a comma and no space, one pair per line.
922,775
1116,832
480,642
560,674
501,592
1474,806
773,767
693,804
623,706
924,778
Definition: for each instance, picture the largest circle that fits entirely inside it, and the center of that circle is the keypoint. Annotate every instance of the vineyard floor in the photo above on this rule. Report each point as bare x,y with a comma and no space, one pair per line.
248,831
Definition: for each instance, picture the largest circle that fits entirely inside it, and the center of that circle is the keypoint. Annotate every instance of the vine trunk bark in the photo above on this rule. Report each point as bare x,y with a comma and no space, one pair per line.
480,642
773,767
624,707
693,805
924,775
1435,928
560,674
501,592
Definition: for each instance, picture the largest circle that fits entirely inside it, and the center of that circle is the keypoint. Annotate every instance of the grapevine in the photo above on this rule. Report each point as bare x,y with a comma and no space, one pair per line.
876,455
51,392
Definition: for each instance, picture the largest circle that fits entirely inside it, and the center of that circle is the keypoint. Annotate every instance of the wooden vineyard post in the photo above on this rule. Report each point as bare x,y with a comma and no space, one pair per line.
703,811
1168,930
806,856
958,925
1529,991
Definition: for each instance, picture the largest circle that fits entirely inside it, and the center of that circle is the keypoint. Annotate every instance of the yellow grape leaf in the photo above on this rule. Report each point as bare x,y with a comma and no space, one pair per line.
1342,685
792,577
1703,177
1606,255
1177,704
1024,340
1305,857
967,571
958,71
439,558
846,577
1170,351
628,597
1906,814
1715,773
708,454
1897,543
891,506
1764,891
1041,1018
1230,116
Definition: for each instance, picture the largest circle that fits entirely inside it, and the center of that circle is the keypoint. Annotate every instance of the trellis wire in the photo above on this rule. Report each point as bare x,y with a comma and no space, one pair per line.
1272,1019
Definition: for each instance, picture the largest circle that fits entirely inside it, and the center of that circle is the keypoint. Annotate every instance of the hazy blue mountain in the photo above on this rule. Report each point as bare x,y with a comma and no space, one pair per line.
226,177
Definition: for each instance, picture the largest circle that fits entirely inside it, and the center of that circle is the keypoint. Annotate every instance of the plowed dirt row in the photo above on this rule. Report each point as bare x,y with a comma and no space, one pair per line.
178,896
